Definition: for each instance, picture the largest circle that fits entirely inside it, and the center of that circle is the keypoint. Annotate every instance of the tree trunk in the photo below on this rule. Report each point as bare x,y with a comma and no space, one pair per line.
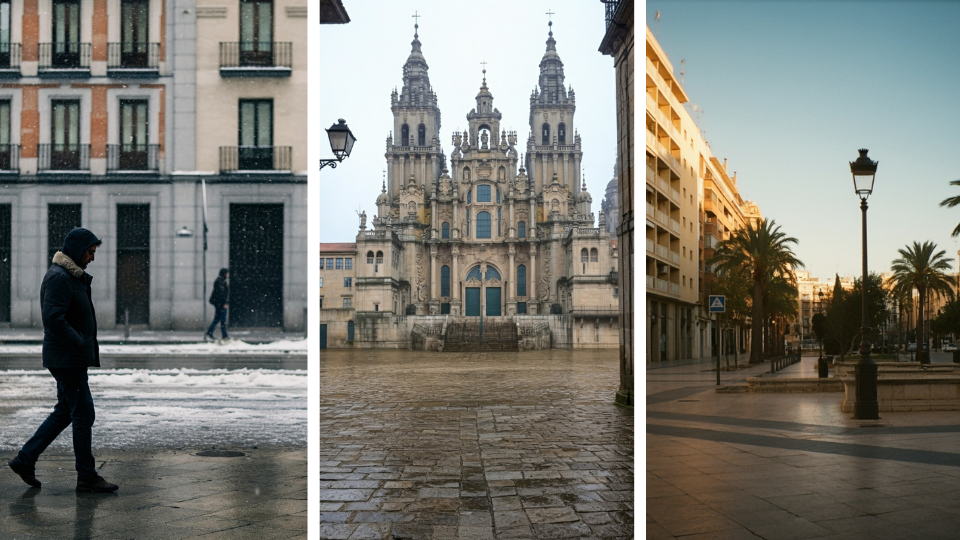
736,347
756,335
924,356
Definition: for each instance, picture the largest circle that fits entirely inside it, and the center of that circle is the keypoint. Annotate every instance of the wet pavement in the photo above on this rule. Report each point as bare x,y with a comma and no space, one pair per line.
165,494
419,445
791,466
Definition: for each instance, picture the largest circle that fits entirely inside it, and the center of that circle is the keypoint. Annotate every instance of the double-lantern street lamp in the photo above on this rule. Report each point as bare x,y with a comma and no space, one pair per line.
865,405
341,142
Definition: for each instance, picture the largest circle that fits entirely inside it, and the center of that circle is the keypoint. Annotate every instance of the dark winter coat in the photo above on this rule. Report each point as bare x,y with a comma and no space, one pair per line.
66,306
221,292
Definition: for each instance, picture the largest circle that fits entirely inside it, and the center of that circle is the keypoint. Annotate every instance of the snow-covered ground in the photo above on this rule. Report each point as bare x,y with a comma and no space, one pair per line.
230,346
167,408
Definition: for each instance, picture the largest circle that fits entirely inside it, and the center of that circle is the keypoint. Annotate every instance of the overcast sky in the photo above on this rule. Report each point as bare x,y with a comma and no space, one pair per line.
362,62
791,90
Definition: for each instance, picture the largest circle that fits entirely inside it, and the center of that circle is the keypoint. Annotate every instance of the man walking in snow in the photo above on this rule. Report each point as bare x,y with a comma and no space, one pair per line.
69,348
219,299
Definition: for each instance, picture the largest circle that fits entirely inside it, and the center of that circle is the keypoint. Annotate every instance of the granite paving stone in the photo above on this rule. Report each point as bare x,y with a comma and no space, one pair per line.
452,446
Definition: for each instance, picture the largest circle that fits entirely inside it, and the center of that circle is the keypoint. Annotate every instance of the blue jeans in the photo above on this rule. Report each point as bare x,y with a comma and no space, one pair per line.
220,315
74,406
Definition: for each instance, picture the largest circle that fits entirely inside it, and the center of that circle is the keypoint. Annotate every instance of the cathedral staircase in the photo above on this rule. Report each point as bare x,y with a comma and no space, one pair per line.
463,335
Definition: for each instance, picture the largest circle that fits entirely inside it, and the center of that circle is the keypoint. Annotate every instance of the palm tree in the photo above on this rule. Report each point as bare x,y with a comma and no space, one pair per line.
950,202
922,268
762,251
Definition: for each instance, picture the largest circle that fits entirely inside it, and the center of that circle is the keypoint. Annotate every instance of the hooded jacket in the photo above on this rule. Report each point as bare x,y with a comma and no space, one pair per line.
66,306
221,291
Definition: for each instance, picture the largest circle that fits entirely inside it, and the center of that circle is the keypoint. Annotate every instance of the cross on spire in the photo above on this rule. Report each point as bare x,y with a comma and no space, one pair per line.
550,15
484,64
416,23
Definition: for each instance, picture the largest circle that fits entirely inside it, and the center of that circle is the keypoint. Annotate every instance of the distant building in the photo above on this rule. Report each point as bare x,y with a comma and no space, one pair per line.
610,204
337,293
485,234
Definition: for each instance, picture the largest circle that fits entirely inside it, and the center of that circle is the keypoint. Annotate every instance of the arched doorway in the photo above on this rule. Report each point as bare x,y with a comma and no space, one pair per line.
483,291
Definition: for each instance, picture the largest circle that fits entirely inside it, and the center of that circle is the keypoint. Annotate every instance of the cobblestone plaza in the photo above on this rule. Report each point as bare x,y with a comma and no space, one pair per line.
417,445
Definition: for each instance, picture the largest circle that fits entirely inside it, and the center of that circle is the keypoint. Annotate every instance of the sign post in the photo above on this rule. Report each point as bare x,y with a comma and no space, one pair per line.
717,303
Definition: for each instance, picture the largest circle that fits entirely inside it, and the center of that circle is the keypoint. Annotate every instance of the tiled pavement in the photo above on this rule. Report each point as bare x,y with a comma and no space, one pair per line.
791,466
479,446
165,494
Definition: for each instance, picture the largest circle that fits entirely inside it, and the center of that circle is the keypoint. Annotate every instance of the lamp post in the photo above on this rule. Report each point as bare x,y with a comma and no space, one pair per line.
341,142
820,294
865,405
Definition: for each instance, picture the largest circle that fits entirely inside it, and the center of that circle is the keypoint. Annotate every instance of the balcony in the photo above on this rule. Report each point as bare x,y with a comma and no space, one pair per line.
256,59
255,159
651,245
133,158
64,60
9,60
131,59
63,158
9,159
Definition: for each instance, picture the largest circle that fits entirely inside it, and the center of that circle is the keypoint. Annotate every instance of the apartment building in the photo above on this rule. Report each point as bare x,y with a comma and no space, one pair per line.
692,204
337,292
116,116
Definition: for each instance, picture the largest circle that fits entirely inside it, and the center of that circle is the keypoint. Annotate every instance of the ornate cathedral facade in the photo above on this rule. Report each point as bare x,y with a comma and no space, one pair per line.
495,231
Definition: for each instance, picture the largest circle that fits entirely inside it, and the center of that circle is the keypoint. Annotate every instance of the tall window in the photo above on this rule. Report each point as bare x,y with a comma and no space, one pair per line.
521,280
469,196
6,161
256,134
379,257
468,217
545,134
445,230
65,135
348,282
134,32
66,33
4,33
483,193
584,255
61,219
369,257
339,263
594,255
421,135
483,224
256,32
499,232
522,229
562,133
348,263
133,134
329,264
445,281
405,135
348,302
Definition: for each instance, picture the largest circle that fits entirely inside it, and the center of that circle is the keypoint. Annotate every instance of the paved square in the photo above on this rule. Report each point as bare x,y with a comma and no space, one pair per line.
792,466
418,445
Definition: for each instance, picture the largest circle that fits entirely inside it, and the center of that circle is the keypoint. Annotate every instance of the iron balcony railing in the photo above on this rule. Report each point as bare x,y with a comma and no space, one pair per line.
133,55
133,157
63,157
611,10
9,56
255,158
64,55
9,157
256,54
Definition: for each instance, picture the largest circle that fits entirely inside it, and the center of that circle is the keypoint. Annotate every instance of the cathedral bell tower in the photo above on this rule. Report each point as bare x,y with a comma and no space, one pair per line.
413,148
553,148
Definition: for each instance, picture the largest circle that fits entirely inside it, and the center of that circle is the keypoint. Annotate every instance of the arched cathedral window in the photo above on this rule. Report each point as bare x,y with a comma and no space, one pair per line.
546,134
421,135
522,229
405,135
521,280
594,255
445,281
584,255
379,257
562,133
445,230
483,224
369,257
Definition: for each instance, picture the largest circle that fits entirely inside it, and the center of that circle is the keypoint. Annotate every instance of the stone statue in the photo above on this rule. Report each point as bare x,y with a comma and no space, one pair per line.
484,138
363,219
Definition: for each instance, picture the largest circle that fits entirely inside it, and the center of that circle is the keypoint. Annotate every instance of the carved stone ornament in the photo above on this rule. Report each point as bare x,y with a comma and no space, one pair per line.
543,290
484,171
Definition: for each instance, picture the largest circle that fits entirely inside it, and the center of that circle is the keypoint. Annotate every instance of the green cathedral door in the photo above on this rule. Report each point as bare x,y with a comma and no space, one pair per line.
493,301
473,301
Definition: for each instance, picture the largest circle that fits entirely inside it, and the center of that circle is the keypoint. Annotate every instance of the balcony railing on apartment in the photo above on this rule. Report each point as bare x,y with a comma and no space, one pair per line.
242,159
142,158
64,59
63,157
133,59
9,59
9,158
611,10
256,59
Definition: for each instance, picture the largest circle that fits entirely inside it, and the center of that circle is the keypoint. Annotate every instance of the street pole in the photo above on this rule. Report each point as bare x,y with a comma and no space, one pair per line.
719,346
865,405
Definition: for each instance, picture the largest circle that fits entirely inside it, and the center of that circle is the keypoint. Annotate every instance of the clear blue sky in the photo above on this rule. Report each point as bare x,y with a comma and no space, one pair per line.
791,90
362,62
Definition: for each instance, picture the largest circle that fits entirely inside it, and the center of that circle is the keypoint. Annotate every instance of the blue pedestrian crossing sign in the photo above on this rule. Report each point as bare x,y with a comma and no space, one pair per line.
717,303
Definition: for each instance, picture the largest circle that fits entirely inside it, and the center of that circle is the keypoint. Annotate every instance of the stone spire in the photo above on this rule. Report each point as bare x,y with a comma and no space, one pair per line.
551,74
416,83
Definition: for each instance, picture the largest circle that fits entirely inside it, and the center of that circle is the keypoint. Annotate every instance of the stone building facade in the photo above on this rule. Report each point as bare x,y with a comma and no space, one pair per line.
115,116
497,231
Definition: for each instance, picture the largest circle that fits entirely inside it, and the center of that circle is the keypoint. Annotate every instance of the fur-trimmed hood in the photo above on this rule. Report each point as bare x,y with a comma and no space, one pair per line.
61,259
